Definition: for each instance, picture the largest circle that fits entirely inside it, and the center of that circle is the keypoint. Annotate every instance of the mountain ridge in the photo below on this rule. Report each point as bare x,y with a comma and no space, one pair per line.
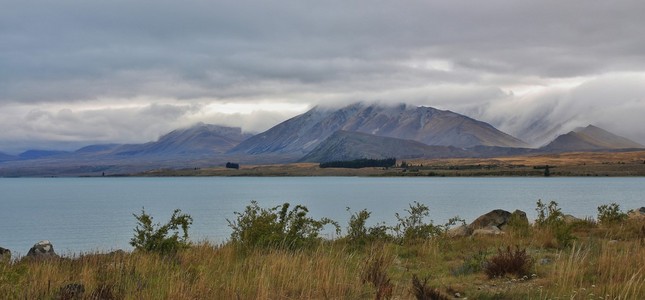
589,138
428,125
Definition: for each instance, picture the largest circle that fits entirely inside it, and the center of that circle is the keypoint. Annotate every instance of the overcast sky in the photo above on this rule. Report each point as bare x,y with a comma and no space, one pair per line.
78,72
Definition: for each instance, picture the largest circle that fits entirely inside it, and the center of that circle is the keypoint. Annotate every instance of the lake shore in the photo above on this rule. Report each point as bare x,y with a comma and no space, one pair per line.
613,164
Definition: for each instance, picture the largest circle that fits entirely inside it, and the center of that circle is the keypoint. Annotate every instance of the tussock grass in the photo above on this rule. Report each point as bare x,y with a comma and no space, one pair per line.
596,266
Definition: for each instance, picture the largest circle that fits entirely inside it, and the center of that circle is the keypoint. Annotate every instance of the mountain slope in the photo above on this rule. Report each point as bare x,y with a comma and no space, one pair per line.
7,157
36,154
427,125
590,138
345,145
199,139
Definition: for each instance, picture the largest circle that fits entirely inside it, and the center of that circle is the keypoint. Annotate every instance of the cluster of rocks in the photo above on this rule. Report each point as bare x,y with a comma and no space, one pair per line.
42,249
491,223
496,221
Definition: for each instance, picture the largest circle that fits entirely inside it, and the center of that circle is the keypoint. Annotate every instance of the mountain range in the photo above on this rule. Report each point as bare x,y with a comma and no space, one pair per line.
589,138
301,134
318,135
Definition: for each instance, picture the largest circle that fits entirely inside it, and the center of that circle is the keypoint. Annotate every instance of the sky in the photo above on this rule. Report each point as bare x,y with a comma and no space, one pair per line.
74,73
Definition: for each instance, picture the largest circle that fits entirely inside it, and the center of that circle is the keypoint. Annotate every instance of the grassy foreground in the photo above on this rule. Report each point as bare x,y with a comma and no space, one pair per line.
602,262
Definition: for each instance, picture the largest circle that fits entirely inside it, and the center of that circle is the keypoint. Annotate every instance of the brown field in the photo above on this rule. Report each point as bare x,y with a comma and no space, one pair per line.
566,164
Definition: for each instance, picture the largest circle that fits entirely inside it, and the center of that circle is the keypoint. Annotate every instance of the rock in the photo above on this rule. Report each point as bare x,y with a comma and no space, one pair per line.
72,291
497,218
490,230
42,249
519,218
545,261
569,219
460,231
4,251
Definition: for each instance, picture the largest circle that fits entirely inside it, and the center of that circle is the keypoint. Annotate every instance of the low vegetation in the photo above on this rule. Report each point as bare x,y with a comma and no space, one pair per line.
277,253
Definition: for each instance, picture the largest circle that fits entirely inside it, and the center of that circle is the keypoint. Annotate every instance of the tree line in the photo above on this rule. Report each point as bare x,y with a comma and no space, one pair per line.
360,163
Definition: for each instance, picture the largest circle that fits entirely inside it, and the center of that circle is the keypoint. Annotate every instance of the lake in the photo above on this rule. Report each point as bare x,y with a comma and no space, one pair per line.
95,214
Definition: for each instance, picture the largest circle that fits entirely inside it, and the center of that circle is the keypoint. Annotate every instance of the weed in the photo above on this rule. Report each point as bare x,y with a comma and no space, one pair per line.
515,262
423,292
376,274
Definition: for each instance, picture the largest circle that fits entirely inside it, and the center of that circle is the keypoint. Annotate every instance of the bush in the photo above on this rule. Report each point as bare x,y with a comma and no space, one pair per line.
358,234
610,214
412,227
277,227
158,238
550,218
508,261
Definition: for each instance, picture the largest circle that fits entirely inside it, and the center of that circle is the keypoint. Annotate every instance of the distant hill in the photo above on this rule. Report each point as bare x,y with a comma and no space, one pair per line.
7,157
199,139
36,154
98,149
345,145
427,125
588,139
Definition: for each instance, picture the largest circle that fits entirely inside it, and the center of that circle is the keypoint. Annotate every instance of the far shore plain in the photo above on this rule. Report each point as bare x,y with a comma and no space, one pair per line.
614,164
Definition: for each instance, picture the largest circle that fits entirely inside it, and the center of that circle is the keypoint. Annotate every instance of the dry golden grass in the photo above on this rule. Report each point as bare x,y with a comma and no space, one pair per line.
597,266
565,164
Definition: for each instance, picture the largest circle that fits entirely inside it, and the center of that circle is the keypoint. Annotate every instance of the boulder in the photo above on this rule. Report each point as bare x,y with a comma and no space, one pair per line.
460,231
42,249
497,218
569,219
4,252
490,230
519,218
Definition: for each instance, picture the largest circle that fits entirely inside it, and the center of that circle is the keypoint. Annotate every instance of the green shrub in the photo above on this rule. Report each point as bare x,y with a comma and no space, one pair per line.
412,227
551,218
277,227
610,214
358,234
158,238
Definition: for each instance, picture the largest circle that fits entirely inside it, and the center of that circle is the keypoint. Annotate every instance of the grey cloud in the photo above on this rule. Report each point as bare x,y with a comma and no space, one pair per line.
68,53
615,102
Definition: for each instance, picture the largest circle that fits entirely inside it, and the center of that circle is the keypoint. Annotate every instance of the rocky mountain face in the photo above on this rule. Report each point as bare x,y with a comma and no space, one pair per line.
427,125
347,145
589,138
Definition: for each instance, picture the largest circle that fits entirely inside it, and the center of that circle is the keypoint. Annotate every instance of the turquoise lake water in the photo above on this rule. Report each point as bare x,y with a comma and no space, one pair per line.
89,214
